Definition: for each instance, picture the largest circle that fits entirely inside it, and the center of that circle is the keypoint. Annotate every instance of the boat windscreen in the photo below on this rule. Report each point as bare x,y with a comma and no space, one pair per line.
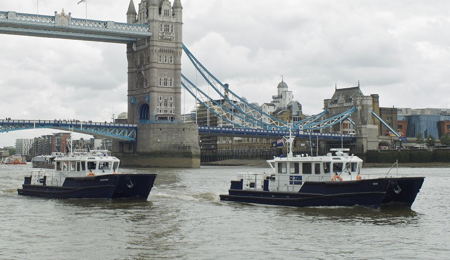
115,166
327,167
92,165
306,168
83,166
104,166
354,167
337,167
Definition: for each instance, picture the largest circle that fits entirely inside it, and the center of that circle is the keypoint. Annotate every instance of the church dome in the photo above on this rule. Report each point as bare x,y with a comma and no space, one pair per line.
282,85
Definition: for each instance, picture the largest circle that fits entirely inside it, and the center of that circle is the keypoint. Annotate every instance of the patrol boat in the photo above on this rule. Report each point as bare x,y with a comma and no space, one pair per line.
331,180
93,174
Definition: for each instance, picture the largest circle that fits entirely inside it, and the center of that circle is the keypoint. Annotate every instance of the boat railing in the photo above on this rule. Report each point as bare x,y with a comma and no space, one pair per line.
253,180
395,165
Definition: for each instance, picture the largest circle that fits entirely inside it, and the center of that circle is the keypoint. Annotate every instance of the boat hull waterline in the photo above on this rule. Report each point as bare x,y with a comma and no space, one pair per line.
113,186
372,193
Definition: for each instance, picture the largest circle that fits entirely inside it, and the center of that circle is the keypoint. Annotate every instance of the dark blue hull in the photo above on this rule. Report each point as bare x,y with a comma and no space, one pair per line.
369,193
403,191
114,186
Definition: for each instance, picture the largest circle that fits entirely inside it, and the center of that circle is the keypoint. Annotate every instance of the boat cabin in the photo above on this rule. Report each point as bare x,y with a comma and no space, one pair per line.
93,163
289,173
77,164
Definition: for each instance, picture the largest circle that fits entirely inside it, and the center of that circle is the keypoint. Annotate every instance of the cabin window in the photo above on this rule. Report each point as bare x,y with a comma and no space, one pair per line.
293,168
115,166
58,166
104,166
326,167
282,168
354,167
306,168
83,166
317,168
297,168
337,167
78,166
92,165
64,166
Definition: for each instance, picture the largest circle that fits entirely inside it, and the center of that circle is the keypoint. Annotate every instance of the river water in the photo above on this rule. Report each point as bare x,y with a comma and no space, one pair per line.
184,219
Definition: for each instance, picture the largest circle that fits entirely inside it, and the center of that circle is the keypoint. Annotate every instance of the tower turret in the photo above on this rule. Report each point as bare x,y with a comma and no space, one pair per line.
153,9
178,10
131,13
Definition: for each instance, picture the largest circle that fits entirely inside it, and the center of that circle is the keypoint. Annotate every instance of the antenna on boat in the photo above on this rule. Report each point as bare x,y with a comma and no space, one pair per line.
290,142
71,141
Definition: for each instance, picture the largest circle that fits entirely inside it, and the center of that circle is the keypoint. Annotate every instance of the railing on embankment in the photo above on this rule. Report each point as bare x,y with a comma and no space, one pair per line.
251,154
408,156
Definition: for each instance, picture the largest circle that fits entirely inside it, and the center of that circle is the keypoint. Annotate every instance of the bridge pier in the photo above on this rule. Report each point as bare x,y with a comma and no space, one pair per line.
161,145
367,138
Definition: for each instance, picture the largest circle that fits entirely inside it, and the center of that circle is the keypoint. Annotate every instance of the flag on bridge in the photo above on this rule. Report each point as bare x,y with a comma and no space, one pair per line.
278,143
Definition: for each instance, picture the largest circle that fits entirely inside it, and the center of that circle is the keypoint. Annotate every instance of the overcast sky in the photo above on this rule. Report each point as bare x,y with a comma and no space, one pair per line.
397,49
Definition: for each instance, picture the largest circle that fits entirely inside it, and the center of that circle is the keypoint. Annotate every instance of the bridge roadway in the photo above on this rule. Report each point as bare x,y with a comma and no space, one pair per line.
125,132
247,132
63,26
128,132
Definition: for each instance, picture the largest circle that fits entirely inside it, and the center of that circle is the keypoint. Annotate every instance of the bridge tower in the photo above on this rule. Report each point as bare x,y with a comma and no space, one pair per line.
154,91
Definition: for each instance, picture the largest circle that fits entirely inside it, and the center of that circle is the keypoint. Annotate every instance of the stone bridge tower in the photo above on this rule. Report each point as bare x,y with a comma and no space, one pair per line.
154,90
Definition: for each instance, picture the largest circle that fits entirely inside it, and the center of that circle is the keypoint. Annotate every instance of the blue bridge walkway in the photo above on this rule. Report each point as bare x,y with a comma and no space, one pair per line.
247,132
125,132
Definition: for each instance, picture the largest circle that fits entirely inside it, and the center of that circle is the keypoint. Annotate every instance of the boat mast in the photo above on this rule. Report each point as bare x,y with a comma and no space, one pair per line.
290,142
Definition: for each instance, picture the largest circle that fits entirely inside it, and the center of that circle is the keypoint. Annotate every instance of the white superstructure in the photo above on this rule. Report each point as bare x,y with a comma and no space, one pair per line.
79,164
288,174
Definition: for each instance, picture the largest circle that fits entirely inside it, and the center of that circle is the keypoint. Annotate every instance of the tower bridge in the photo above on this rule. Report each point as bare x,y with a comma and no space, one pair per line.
154,134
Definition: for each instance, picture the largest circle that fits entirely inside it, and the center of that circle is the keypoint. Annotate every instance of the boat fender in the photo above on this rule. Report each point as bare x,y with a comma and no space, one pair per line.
337,178
90,174
397,189
358,177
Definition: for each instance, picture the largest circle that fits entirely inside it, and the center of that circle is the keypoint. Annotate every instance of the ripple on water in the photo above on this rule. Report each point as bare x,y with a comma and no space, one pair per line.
184,219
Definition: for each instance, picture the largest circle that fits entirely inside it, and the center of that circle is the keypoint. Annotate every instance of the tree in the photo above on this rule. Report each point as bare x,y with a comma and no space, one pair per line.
419,138
445,139
11,150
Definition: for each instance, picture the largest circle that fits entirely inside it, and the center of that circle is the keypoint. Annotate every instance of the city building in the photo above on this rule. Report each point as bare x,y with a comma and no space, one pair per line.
4,152
190,117
424,122
371,130
444,128
390,116
23,146
41,146
60,142
283,106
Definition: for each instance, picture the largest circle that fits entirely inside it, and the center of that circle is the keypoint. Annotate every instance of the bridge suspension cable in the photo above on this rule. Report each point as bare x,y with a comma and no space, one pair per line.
329,122
211,104
253,117
254,113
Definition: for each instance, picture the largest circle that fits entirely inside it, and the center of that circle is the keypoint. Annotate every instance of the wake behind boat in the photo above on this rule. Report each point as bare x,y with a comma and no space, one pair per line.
331,180
92,174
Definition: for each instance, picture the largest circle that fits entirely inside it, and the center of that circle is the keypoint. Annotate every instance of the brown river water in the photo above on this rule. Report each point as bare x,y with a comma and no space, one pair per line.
184,219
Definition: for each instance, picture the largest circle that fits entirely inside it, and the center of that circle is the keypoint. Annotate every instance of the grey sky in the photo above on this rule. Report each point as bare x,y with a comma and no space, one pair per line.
398,49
